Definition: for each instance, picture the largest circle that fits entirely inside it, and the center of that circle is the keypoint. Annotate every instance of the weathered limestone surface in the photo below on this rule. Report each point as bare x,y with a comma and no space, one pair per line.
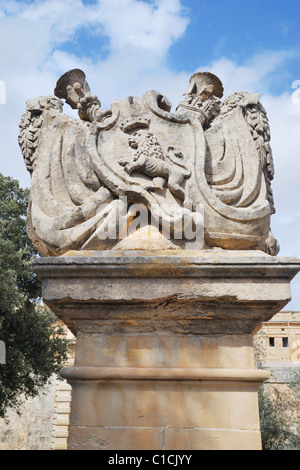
158,255
32,429
206,167
164,356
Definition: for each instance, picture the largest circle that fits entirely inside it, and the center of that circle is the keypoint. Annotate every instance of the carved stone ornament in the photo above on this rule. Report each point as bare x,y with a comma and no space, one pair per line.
100,180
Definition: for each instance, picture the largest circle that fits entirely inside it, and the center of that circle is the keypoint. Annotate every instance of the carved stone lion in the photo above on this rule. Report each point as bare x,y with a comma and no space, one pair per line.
150,159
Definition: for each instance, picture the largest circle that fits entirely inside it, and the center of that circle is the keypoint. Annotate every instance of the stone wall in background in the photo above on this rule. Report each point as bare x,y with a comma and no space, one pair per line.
32,430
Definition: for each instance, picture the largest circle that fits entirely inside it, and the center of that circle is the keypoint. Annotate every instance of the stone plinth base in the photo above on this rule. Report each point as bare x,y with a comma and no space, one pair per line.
166,408
164,356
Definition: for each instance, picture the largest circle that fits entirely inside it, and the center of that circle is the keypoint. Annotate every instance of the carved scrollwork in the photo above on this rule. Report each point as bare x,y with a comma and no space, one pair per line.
207,153
30,125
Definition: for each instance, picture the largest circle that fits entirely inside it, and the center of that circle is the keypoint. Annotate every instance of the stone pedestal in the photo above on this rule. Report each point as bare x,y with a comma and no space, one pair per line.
164,356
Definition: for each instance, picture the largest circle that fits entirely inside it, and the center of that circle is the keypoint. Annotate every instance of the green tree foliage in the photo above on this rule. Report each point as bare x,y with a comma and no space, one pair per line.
34,348
278,425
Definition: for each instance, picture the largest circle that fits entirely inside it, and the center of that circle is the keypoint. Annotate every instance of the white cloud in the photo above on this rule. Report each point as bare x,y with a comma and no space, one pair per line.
139,33
258,73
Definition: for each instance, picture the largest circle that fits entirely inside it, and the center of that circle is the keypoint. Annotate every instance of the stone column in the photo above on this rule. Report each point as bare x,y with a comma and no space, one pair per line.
164,356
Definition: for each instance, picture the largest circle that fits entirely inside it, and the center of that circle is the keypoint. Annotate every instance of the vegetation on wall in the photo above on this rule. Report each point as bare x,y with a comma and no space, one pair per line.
278,408
279,427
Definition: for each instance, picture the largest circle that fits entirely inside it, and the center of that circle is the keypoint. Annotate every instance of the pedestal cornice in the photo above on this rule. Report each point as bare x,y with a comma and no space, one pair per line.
214,292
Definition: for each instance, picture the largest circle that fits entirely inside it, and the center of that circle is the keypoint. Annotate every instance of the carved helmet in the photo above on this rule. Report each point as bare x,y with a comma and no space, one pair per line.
200,80
66,82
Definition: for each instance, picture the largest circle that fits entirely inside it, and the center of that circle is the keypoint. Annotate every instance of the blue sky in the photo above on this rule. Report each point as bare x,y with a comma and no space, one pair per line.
127,47
238,30
234,29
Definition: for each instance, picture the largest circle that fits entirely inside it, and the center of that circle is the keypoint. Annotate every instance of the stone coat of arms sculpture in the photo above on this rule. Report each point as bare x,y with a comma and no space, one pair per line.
207,166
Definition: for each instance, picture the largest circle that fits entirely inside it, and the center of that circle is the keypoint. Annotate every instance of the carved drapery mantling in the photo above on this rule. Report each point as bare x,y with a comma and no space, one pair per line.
208,163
